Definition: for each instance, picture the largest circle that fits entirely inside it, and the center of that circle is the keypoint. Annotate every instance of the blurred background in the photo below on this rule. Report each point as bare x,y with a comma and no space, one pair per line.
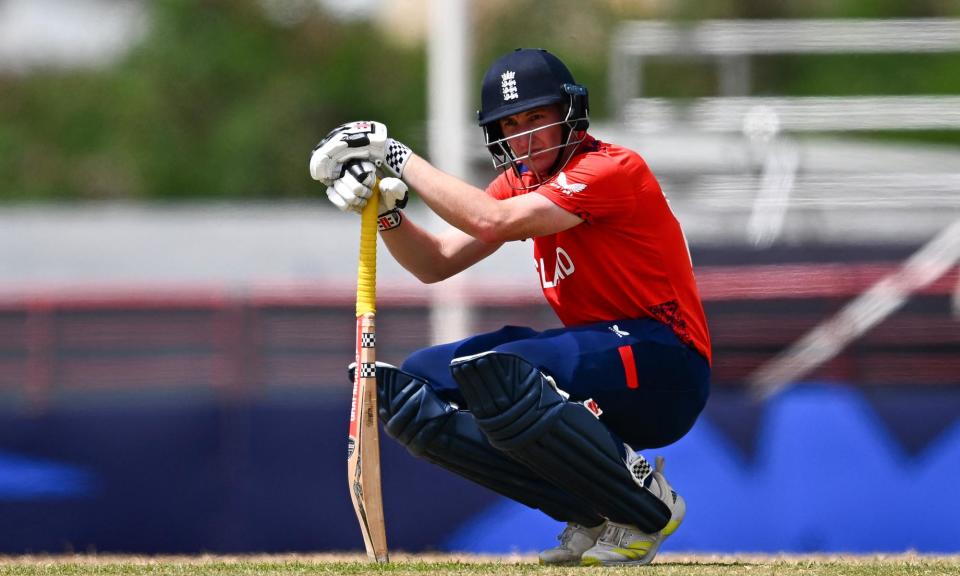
176,295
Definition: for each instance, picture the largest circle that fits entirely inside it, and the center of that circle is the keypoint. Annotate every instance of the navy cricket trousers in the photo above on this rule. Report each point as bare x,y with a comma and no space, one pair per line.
649,386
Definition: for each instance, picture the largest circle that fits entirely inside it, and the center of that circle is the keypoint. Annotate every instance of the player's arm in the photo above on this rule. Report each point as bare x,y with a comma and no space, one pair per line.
464,206
434,257
429,257
478,214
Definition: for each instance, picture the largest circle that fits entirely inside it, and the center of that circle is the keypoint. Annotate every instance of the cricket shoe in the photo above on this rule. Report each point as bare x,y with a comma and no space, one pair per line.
574,541
625,545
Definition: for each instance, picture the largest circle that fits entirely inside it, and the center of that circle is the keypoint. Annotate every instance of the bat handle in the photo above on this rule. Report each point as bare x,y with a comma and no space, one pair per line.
367,266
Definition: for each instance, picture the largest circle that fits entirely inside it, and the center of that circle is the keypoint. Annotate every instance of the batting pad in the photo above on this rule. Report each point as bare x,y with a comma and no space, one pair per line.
434,430
522,414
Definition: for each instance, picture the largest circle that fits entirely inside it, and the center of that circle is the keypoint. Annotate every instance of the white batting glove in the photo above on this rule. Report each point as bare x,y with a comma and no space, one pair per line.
393,194
363,140
393,197
351,195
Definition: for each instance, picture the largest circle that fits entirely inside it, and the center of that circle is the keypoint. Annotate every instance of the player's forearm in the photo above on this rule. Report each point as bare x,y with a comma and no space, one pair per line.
461,205
417,250
421,253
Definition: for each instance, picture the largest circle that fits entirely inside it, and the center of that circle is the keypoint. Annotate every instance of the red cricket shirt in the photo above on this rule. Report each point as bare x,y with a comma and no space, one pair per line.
628,259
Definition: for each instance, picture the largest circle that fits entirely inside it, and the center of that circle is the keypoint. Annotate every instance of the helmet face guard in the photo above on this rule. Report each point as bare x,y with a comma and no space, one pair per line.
524,80
574,127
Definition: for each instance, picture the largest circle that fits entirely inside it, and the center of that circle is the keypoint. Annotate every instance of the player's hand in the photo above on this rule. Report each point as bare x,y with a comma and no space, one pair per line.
393,194
363,140
350,194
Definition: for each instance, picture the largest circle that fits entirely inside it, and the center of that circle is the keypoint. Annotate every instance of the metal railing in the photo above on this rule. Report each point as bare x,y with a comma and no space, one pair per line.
787,179
769,115
732,43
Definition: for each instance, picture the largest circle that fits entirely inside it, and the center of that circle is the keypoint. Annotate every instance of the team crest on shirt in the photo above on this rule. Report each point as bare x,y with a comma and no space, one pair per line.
568,188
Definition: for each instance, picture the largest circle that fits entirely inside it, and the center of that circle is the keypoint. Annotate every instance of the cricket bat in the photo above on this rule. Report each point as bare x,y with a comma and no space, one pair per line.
363,443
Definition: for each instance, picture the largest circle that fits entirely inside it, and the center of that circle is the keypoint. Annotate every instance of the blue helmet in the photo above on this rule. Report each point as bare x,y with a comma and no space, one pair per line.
522,80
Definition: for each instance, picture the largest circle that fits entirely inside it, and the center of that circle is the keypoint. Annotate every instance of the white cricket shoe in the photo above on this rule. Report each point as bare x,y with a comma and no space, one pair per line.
622,544
574,541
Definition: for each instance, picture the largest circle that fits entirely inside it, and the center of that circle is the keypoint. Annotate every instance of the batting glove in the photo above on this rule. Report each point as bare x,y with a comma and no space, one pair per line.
363,140
393,197
351,195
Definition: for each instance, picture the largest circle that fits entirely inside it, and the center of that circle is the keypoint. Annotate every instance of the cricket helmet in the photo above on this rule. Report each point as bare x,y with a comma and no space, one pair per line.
522,80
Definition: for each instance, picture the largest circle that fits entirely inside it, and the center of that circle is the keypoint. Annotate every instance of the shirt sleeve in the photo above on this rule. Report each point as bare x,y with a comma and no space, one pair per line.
594,188
500,188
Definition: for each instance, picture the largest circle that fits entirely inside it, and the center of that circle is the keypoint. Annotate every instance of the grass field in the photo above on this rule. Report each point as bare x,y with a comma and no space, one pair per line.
666,564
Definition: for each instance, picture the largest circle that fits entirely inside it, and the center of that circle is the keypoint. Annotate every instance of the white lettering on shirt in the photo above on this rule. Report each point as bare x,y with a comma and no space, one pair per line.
564,267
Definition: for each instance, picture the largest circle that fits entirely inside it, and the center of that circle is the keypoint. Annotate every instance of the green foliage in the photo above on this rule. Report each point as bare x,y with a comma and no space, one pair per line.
218,102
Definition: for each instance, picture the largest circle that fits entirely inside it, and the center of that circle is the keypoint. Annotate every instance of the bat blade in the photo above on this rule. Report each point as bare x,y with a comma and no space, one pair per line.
363,451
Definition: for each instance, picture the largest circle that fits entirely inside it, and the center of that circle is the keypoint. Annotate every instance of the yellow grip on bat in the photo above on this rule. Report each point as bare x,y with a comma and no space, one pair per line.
367,268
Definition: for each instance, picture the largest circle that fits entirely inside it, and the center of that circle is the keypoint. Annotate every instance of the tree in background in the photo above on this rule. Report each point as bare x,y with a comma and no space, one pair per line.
219,102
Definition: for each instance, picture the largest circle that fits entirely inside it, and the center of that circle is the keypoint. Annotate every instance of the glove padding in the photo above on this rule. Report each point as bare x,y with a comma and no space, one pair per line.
350,195
393,194
362,140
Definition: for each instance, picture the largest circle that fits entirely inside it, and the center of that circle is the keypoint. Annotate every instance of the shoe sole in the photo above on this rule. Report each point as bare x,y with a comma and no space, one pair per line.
668,530
646,559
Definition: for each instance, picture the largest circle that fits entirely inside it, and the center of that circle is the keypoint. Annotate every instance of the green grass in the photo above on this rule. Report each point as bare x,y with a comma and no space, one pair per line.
666,564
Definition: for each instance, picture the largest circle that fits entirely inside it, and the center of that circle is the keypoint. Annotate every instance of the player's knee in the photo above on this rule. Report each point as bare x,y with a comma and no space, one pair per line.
411,412
425,360
510,398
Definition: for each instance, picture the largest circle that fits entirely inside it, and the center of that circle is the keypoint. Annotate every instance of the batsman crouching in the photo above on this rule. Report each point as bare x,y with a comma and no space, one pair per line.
553,419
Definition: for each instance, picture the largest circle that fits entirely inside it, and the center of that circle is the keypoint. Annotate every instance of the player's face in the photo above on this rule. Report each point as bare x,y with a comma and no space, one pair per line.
535,136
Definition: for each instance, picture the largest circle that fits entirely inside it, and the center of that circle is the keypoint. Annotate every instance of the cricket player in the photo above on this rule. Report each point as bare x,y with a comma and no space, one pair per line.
554,419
